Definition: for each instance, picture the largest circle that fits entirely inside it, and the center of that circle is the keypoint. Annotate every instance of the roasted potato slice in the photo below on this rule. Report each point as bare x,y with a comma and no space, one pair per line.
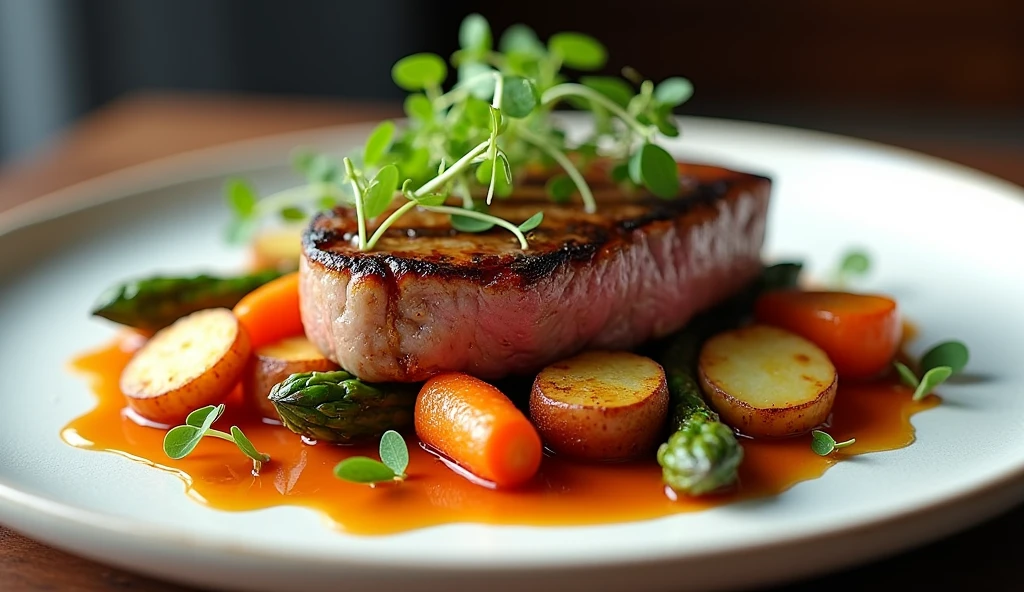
277,248
273,363
766,381
600,405
194,362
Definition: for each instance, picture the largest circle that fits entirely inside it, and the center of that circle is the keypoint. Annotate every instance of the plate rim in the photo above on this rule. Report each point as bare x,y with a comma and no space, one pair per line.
266,151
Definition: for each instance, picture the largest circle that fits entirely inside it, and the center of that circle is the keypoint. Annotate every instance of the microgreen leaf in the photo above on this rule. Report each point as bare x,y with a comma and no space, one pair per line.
472,77
656,170
560,188
577,50
292,214
394,453
673,91
953,354
467,224
519,97
520,39
417,106
378,142
615,89
823,444
205,416
419,71
620,172
907,376
246,446
475,33
854,263
180,441
431,199
381,191
241,197
532,222
930,380
361,469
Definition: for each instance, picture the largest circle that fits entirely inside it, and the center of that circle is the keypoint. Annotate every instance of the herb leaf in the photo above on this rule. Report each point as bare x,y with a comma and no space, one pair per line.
907,375
655,169
180,441
419,71
560,188
823,444
418,106
953,354
532,222
475,33
932,379
615,89
467,224
673,91
519,97
241,197
394,453
577,50
361,469
378,142
205,416
292,214
246,446
520,38
381,191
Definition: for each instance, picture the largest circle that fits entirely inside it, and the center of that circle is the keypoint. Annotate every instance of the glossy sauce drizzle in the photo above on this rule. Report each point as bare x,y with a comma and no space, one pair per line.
564,493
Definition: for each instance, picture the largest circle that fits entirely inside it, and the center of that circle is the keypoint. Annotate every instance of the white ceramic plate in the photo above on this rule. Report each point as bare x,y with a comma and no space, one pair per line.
946,241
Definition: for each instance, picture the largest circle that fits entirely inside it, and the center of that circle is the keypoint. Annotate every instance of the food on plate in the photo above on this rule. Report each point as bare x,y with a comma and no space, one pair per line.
602,406
270,313
861,333
479,428
277,248
339,408
272,364
619,296
196,361
767,382
637,269
153,303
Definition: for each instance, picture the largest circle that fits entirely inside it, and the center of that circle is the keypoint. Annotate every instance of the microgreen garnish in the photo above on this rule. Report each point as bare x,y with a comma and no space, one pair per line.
854,265
823,444
937,365
472,142
394,459
180,441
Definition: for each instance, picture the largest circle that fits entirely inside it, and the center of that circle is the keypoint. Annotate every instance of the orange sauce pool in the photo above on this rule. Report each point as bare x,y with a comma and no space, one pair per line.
564,493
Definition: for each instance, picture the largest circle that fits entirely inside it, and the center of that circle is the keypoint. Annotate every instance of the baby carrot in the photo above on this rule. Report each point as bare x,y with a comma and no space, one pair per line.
478,428
270,313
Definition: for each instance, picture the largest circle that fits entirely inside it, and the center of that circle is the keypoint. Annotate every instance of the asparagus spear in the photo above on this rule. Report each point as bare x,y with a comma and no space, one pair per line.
702,455
156,302
337,407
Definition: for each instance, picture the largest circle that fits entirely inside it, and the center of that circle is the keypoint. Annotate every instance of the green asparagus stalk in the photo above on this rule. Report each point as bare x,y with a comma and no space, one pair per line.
154,303
337,407
703,455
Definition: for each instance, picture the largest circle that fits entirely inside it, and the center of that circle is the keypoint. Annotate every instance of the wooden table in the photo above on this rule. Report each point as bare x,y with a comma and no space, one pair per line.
146,127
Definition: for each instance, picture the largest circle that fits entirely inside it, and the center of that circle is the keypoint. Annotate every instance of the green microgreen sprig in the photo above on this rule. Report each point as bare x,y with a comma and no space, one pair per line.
180,441
476,139
936,366
394,459
823,444
854,265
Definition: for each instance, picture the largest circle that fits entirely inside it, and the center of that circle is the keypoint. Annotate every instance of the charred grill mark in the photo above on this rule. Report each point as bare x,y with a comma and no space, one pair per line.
558,242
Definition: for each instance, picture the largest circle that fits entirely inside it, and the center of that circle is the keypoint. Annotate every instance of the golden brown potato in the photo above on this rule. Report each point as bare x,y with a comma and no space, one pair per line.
600,405
273,363
193,363
766,381
277,248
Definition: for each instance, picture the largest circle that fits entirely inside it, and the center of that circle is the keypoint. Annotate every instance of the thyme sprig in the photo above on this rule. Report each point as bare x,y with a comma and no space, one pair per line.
476,139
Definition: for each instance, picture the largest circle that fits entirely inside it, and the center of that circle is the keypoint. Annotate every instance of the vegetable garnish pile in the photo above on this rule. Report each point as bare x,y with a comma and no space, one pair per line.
476,140
765,365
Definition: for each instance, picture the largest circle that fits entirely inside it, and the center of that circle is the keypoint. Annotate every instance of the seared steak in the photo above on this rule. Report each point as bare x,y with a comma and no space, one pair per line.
429,299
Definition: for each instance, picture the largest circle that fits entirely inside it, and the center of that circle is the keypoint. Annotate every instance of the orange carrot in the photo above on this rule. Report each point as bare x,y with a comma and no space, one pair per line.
860,333
270,313
478,428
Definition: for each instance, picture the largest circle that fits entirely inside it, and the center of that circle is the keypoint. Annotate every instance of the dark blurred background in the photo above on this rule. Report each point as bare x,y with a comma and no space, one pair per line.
943,67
